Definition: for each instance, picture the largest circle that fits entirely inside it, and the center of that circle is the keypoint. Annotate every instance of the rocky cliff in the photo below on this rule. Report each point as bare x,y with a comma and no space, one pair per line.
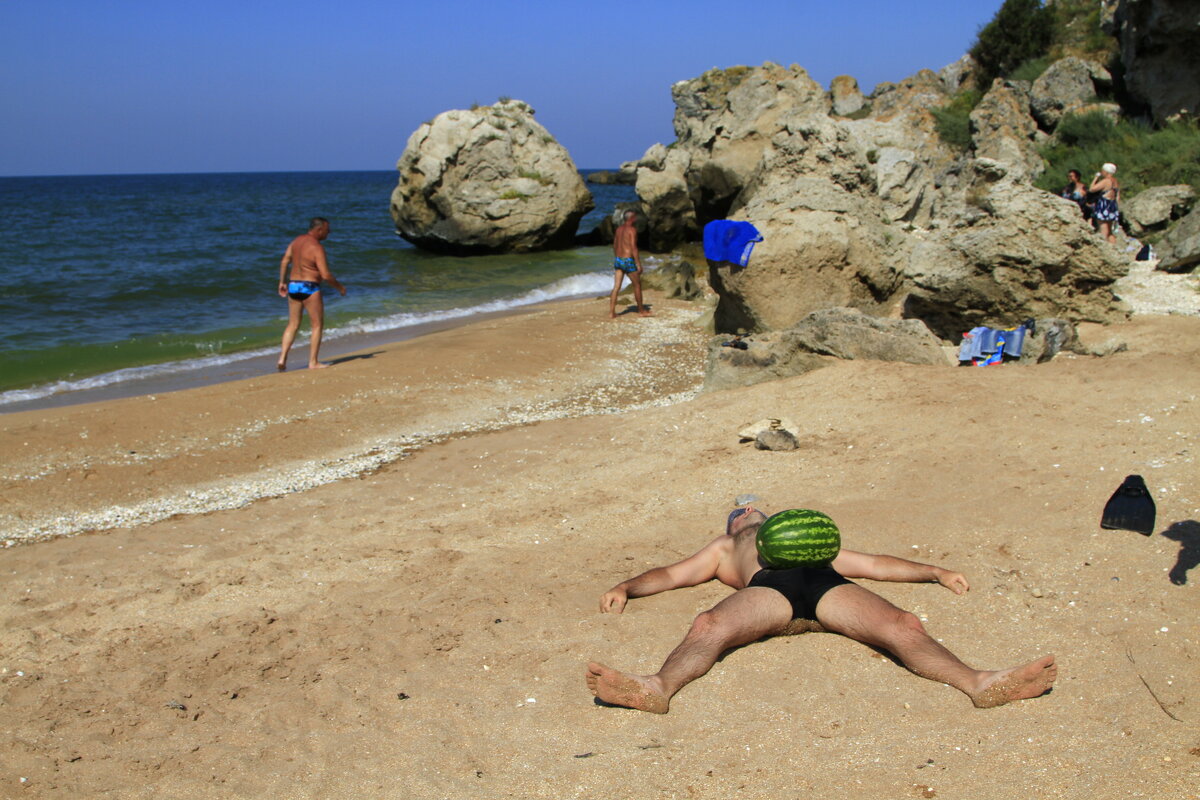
1160,48
876,213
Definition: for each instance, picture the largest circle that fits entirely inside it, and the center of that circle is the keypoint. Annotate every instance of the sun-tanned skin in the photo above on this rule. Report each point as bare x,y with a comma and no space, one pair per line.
306,255
625,246
755,612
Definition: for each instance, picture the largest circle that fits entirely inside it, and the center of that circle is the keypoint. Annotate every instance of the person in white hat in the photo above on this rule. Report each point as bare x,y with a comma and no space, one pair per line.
1106,213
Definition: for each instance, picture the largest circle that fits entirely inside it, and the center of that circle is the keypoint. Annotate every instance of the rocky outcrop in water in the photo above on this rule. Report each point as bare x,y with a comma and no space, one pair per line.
487,180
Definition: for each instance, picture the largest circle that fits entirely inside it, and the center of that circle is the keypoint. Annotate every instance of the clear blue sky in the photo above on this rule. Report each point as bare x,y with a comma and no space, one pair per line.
132,86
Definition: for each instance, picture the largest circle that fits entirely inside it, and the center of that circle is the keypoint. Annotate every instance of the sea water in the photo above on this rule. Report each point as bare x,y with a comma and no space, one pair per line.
109,279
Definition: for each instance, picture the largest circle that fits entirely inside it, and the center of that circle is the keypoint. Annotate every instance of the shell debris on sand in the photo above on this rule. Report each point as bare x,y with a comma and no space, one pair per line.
637,376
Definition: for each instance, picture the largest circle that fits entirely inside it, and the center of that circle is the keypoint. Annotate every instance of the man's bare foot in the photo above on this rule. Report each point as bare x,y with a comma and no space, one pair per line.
317,365
645,313
622,689
281,366
1019,683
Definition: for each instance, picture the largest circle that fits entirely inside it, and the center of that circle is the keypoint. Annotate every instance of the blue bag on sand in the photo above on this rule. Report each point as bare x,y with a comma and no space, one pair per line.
983,346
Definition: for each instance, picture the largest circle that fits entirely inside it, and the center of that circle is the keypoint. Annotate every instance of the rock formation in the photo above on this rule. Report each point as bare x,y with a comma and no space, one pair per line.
607,177
1153,209
1005,251
1160,48
1179,251
817,338
845,96
487,180
1067,86
724,120
1002,128
877,213
924,90
812,197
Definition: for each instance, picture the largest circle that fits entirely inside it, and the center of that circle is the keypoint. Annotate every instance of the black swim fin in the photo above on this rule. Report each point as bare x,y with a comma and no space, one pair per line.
1131,508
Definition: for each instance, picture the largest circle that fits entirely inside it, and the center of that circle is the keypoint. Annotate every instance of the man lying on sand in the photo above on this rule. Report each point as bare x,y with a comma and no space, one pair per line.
769,602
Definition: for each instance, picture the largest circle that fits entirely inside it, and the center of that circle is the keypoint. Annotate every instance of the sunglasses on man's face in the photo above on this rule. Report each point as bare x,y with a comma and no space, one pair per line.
733,515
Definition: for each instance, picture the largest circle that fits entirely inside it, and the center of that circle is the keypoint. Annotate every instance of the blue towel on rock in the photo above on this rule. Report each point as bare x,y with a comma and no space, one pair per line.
730,240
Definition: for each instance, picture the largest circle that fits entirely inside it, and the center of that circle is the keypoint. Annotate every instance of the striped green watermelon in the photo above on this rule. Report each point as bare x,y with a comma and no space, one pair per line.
798,537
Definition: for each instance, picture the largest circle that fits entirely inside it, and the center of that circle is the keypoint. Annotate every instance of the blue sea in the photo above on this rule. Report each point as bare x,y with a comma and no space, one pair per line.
114,279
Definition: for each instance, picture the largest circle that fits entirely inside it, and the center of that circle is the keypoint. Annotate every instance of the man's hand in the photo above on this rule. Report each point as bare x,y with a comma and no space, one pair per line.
954,581
282,289
613,600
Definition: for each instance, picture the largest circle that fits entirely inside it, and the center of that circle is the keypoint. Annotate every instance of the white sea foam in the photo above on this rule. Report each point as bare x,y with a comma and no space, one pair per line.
573,286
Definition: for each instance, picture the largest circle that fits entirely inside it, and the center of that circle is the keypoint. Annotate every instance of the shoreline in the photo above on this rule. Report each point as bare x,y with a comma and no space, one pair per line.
80,459
333,350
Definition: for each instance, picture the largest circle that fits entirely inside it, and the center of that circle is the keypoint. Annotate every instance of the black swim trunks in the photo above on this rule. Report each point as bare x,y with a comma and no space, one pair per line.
802,586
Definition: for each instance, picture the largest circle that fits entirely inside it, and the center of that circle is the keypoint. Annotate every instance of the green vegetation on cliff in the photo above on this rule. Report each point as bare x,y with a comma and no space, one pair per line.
1021,31
1144,157
1025,37
953,120
1020,43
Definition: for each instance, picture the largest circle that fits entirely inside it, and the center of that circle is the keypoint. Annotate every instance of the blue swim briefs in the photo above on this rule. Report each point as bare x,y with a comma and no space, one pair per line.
625,264
302,290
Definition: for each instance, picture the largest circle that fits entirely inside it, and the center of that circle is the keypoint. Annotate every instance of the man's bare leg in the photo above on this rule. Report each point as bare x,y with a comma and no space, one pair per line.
315,305
636,280
618,279
295,311
741,618
866,617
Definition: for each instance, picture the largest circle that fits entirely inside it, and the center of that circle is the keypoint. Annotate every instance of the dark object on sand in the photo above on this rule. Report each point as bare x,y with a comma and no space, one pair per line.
1131,508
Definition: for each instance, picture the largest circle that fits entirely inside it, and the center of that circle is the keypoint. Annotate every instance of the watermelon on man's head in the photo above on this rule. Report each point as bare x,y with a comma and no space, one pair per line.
798,537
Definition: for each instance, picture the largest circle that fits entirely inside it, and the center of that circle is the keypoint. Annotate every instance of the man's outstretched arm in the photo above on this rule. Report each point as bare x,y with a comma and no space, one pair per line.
852,564
693,570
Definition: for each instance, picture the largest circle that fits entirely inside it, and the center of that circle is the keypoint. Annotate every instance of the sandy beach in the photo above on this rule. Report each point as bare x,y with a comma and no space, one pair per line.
381,580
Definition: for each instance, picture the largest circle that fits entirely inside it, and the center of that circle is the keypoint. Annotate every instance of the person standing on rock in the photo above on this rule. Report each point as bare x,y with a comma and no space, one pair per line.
306,255
1106,212
626,261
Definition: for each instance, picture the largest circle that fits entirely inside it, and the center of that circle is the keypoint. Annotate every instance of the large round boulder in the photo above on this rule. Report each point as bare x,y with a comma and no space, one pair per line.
487,180
1065,87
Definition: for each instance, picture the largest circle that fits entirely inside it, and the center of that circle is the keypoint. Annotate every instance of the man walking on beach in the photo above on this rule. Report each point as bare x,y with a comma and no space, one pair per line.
771,602
626,261
306,255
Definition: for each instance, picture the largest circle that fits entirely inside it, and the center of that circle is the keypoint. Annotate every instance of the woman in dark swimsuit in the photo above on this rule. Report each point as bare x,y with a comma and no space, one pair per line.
1075,190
